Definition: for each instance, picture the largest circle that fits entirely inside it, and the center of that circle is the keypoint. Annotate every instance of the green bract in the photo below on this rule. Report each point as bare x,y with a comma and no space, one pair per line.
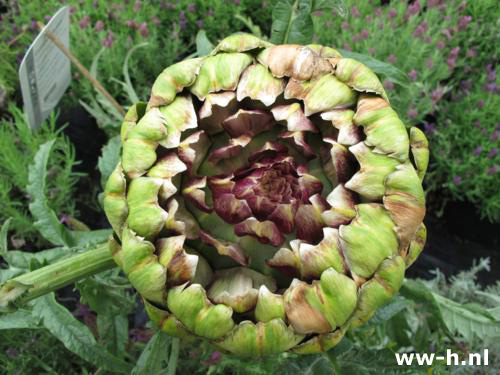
266,198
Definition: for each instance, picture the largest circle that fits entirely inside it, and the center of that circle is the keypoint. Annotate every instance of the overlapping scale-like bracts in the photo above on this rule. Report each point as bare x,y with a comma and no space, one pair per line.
268,197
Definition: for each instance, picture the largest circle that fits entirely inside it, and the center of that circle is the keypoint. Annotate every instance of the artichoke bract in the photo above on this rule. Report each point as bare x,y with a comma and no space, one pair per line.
268,197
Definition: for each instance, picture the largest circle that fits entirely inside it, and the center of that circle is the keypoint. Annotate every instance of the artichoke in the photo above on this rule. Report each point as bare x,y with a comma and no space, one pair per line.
266,199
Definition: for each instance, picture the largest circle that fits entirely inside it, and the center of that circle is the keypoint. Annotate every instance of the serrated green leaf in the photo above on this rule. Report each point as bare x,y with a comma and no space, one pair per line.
203,45
153,356
46,220
10,273
113,332
24,260
385,313
104,299
495,313
322,5
372,362
110,156
493,297
90,238
397,328
19,319
75,336
418,292
379,67
292,22
468,320
320,366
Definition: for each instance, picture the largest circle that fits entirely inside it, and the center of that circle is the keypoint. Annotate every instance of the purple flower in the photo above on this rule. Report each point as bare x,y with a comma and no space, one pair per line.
99,26
478,150
355,12
412,113
495,135
421,29
81,310
457,180
447,33
477,124
108,41
454,52
429,63
191,8
388,84
137,6
95,4
372,50
12,352
492,152
432,3
429,128
480,103
471,53
84,22
155,20
493,170
131,23
368,18
492,75
364,34
413,75
413,9
143,29
182,20
345,26
392,13
392,59
47,18
451,62
214,358
436,95
72,10
237,2
140,335
491,87
463,22
199,23
466,84
378,12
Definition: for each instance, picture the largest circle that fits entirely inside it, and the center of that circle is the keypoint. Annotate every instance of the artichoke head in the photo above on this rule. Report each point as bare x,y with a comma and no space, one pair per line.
266,199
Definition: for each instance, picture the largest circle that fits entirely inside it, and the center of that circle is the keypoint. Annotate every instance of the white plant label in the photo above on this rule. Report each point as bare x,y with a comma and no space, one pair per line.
45,72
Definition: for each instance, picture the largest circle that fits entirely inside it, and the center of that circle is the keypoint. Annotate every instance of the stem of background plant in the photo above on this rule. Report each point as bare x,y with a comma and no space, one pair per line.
174,355
55,276
81,68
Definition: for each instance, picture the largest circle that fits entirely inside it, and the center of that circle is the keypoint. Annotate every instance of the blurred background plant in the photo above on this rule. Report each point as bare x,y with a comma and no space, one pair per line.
437,59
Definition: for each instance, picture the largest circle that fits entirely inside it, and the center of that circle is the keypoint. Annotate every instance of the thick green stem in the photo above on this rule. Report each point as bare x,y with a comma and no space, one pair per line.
174,355
55,276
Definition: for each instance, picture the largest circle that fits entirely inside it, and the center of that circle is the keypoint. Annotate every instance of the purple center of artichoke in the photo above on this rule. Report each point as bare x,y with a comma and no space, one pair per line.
272,189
